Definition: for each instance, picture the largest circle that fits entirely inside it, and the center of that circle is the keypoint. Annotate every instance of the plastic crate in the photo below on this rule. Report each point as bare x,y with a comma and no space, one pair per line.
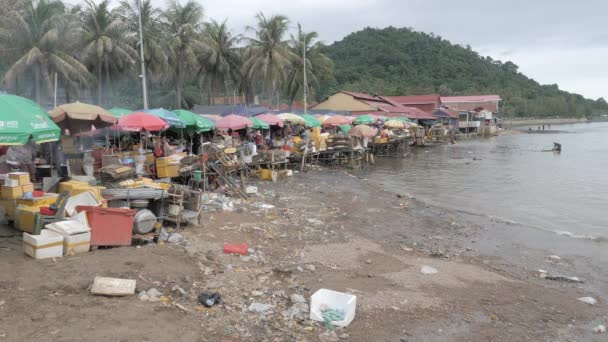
109,226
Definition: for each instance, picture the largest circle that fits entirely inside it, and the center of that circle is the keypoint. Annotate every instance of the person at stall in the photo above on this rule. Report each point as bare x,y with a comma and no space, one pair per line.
259,139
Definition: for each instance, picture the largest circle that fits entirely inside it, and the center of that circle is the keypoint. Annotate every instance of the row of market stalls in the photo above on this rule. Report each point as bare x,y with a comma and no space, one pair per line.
97,177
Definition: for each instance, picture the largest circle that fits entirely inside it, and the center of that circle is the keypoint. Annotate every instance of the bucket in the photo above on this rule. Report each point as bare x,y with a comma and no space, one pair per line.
197,175
342,302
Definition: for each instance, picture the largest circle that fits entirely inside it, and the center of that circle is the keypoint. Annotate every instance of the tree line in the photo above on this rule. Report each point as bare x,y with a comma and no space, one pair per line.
91,50
398,61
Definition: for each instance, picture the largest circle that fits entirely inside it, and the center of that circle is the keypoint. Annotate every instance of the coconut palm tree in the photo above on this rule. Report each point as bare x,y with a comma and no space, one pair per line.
267,57
106,43
318,65
183,24
39,34
221,60
154,51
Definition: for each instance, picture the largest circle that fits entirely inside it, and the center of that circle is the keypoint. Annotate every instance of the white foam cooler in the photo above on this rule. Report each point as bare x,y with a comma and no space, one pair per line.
76,236
48,244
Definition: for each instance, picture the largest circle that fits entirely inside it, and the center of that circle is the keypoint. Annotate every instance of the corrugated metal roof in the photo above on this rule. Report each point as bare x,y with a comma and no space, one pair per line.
361,96
473,98
415,99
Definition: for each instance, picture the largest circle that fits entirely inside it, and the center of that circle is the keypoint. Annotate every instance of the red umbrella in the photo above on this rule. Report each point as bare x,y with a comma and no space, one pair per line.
233,122
270,119
140,121
338,120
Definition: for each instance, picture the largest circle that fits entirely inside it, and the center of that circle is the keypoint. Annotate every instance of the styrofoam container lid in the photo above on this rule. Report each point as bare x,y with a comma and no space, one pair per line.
67,228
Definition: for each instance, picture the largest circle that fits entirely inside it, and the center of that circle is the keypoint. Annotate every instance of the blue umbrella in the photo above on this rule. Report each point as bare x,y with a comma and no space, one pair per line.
167,115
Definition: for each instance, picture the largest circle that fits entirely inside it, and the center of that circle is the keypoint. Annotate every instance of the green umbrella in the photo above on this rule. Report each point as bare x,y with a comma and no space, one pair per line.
258,123
311,121
119,112
21,118
364,120
401,118
194,121
345,128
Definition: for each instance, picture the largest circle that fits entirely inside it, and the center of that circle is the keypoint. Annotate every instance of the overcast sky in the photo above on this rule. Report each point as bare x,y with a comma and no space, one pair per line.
552,41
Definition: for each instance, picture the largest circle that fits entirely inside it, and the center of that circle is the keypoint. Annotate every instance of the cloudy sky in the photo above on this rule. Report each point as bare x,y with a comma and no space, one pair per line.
553,41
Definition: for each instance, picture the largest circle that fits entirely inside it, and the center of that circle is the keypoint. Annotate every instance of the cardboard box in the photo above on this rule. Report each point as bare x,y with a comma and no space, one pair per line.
28,187
10,207
38,202
168,171
26,218
12,192
21,177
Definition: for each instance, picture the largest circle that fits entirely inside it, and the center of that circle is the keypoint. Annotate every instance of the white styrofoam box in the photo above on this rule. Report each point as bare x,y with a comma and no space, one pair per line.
340,301
11,182
79,243
250,189
76,236
81,217
85,198
48,244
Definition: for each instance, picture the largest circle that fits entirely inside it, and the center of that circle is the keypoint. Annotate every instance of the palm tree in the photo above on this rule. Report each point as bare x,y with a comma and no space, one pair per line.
39,33
154,51
268,58
318,65
221,59
183,23
106,43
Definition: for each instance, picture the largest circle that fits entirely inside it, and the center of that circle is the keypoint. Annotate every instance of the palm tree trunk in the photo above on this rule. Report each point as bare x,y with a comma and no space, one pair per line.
108,80
178,89
99,83
37,94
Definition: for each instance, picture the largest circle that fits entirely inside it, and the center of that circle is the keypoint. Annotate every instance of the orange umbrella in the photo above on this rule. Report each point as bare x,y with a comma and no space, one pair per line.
338,120
363,131
78,117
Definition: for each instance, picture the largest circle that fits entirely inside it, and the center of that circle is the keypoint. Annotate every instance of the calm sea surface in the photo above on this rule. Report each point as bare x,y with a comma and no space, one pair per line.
510,178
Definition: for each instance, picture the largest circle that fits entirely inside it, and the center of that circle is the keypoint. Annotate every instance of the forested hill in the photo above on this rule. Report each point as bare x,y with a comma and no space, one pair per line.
394,61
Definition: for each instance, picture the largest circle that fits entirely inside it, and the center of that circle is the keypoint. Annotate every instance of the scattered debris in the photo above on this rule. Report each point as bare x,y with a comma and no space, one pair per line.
259,307
600,329
545,275
297,298
235,249
113,286
153,295
428,270
175,238
310,267
588,300
209,299
554,257
181,291
329,336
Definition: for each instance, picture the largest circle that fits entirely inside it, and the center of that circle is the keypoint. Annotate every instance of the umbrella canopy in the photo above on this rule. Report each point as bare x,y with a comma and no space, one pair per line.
79,117
167,115
365,119
322,118
402,119
311,121
119,112
291,118
259,123
337,120
270,119
394,124
363,131
140,121
233,122
195,122
213,117
345,128
21,118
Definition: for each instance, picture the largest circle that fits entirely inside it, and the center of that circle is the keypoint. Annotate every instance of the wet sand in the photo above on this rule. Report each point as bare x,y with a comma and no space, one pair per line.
326,230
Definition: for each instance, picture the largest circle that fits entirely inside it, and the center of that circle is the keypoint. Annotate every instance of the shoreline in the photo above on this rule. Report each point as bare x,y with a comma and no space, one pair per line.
318,229
548,121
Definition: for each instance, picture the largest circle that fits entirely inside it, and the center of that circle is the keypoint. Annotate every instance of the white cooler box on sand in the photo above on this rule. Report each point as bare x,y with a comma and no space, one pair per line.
76,236
48,244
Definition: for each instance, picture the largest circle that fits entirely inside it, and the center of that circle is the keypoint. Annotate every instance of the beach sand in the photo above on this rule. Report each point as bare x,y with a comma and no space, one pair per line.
327,229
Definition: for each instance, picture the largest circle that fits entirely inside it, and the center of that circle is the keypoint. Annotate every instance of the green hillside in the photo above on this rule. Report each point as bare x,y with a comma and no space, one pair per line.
394,61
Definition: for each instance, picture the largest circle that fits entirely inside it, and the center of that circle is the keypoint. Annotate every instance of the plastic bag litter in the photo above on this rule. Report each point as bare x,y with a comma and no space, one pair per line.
428,270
